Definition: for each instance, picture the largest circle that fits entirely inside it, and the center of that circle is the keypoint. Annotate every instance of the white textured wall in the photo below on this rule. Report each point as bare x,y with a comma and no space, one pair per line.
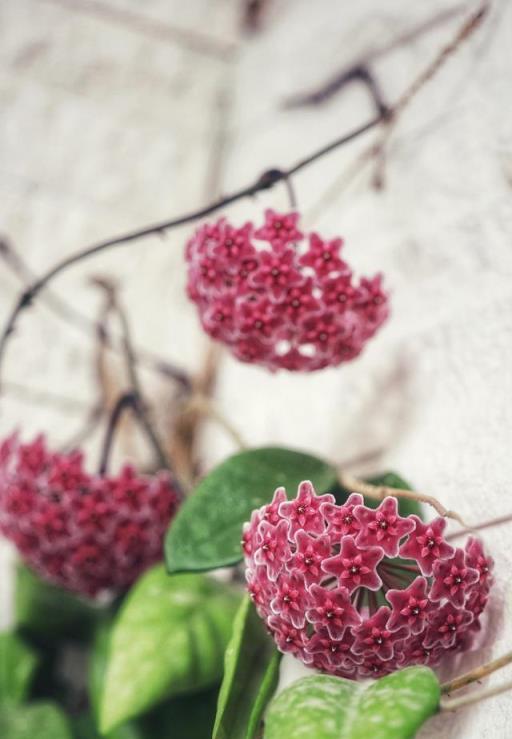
109,122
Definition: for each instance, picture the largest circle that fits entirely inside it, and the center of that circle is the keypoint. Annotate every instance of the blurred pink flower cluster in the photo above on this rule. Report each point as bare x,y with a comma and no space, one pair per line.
283,304
360,592
86,533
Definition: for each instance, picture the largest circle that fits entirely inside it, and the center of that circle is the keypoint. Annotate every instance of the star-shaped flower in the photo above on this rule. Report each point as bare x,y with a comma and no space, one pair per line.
374,636
279,229
452,579
410,607
291,599
331,609
354,566
426,544
446,624
273,547
382,526
310,553
341,520
304,511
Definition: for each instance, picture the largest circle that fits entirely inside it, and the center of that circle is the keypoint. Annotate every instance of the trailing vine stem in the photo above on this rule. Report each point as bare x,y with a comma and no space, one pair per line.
472,698
379,492
125,402
477,674
266,181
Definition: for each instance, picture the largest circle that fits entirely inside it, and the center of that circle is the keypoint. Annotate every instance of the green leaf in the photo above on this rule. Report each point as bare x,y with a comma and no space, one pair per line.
187,716
394,707
168,638
207,530
18,664
44,721
84,727
48,612
251,670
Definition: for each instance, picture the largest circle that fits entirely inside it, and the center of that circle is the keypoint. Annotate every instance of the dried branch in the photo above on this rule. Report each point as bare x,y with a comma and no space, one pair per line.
184,433
481,526
472,698
131,366
477,674
68,313
425,76
204,407
360,68
268,180
379,492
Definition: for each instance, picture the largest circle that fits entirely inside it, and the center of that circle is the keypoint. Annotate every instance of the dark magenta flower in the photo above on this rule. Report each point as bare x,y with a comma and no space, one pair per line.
83,532
322,578
382,526
283,304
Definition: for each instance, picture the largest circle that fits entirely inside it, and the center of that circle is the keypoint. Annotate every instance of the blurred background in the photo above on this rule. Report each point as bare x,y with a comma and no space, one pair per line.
117,114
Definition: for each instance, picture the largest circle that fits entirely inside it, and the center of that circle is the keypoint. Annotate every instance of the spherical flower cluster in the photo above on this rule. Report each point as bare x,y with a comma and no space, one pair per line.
360,592
277,301
86,533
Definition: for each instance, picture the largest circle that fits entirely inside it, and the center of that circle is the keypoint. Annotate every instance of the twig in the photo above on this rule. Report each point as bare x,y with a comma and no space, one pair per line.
477,674
192,40
106,393
339,79
379,492
204,406
469,700
268,180
125,401
467,28
45,397
265,182
68,313
359,72
480,527
131,366
184,432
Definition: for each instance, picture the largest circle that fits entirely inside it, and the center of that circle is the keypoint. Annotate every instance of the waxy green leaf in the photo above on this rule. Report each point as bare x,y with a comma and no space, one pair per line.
207,530
18,663
43,610
168,638
324,707
41,721
250,676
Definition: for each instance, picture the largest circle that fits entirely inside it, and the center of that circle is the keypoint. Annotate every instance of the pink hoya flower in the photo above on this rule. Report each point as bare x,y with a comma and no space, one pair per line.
86,533
278,299
327,581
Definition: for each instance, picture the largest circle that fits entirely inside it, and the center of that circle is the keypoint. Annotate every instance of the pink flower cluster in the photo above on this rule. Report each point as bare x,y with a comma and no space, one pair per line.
285,304
361,592
86,533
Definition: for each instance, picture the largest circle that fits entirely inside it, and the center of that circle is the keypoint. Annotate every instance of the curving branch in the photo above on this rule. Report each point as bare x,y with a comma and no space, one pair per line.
266,181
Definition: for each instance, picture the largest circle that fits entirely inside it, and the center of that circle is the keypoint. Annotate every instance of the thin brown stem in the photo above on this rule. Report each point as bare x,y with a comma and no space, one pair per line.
267,181
73,317
425,76
343,76
126,401
204,406
472,698
379,492
131,366
477,674
480,527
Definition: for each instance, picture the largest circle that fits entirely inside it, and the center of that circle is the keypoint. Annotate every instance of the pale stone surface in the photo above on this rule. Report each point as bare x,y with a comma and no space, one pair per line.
104,128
